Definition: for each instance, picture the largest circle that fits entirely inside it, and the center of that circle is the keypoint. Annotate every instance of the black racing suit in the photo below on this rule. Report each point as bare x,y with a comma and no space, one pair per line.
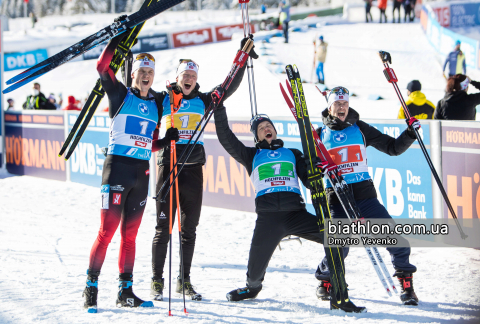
190,185
364,192
279,213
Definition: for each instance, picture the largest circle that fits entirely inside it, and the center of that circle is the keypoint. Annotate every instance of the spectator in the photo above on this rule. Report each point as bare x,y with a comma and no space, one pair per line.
53,101
418,105
263,8
284,18
455,61
457,104
396,6
11,104
382,5
37,100
412,13
368,6
320,56
407,8
71,104
33,18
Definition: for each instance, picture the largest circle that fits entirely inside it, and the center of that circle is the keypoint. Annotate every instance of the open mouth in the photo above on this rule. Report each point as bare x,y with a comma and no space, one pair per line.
341,114
188,86
145,82
268,135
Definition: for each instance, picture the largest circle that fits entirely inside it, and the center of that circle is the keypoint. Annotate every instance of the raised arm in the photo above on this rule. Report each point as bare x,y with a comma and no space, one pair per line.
242,154
384,143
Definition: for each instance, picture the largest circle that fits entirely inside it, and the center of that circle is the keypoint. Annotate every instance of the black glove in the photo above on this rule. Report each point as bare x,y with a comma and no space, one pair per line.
310,183
252,53
171,135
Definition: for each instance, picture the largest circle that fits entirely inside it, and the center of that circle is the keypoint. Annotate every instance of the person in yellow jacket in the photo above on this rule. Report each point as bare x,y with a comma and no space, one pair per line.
417,103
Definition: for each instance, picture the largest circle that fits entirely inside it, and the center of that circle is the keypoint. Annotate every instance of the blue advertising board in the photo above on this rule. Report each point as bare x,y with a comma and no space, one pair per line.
464,14
403,182
23,60
86,162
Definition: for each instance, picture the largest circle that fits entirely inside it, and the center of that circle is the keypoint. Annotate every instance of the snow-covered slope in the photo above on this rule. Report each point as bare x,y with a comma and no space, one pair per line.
48,228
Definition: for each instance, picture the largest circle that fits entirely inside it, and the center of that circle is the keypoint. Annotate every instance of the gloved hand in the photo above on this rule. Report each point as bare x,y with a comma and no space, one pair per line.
310,183
171,135
413,124
252,53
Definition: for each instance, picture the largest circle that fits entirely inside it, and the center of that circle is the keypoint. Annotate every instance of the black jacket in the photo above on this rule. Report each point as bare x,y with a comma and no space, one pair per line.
458,105
277,201
39,102
371,137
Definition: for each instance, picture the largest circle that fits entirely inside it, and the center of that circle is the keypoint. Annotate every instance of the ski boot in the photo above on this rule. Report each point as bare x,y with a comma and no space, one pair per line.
126,297
189,291
243,293
156,288
347,306
408,296
323,290
91,291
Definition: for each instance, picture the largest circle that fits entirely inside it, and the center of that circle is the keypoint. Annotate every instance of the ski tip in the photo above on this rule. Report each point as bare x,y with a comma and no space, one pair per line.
147,304
92,310
25,74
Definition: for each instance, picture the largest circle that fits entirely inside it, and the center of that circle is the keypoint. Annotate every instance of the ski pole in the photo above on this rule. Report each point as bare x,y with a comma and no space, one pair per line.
392,78
174,107
251,79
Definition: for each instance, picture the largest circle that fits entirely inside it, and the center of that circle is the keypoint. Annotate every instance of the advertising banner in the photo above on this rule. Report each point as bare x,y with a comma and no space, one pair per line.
86,162
192,37
226,183
224,33
24,60
461,168
152,43
464,14
32,143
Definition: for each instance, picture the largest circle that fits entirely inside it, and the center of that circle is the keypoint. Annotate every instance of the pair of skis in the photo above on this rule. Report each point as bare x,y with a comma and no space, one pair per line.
149,9
316,154
97,93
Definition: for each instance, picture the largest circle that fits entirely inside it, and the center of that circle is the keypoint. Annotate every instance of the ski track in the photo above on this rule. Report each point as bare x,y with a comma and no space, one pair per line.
48,226
45,245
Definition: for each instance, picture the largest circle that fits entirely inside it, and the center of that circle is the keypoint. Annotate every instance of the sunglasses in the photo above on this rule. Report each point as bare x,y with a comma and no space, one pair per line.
339,91
144,55
187,61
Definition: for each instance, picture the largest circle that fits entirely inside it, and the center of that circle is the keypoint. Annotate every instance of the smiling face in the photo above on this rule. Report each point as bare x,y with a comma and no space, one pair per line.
339,109
187,80
142,79
266,131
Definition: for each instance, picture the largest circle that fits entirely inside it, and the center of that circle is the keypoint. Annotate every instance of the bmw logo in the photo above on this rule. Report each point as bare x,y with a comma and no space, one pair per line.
143,109
184,105
340,137
274,154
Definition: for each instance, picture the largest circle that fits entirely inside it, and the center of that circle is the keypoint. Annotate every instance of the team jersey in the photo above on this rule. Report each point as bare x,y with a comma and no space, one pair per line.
274,171
347,149
131,131
185,119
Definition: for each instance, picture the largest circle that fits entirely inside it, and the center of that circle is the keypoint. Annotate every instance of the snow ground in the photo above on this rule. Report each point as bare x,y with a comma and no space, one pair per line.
48,228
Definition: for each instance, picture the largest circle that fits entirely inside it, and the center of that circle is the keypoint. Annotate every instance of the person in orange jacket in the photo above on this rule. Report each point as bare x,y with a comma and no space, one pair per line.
71,104
382,5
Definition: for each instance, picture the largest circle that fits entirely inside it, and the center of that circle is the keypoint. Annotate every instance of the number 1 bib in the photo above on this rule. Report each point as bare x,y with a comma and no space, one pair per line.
131,131
274,171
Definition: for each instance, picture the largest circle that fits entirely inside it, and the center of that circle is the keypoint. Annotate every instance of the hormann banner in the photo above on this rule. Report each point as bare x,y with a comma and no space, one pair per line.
461,167
32,142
